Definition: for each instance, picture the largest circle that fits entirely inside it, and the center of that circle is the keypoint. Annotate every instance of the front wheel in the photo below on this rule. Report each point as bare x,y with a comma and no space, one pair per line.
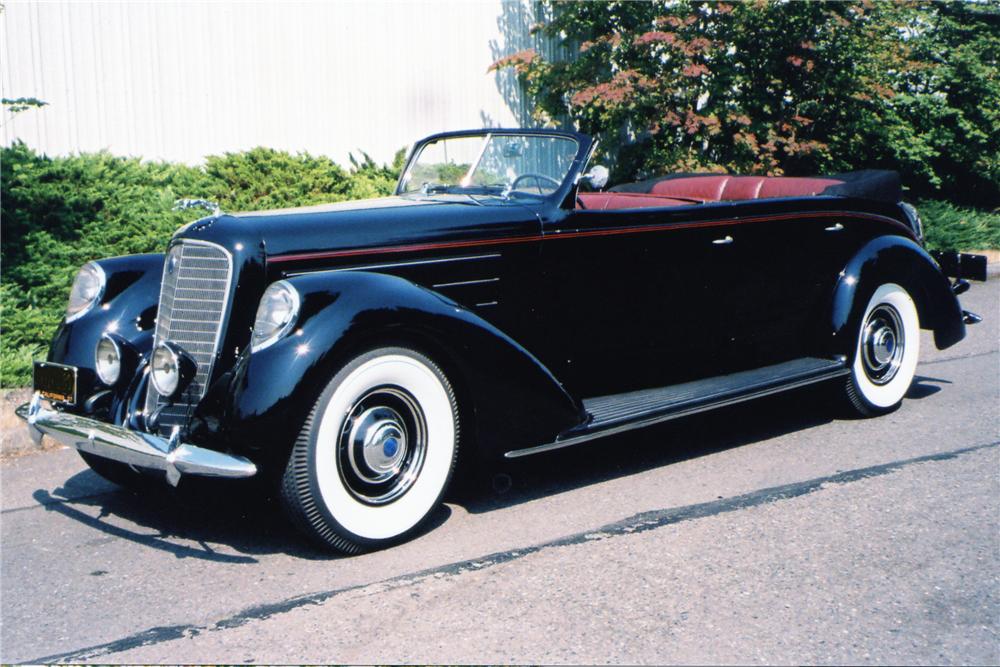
886,352
376,453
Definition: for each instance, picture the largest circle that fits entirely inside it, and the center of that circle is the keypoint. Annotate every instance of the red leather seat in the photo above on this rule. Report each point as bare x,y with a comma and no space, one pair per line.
705,188
794,187
605,201
742,187
733,188
708,188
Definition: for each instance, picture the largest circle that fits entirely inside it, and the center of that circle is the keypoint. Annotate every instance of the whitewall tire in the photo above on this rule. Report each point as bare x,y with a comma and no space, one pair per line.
376,453
885,352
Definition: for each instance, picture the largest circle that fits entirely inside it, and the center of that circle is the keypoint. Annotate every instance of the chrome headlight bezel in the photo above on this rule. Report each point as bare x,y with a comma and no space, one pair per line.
124,351
179,363
276,315
110,372
87,291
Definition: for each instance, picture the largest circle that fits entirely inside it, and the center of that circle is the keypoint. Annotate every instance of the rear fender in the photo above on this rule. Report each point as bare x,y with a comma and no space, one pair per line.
515,400
901,261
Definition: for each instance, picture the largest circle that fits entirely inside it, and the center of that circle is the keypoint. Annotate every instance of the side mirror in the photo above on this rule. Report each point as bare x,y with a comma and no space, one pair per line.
597,176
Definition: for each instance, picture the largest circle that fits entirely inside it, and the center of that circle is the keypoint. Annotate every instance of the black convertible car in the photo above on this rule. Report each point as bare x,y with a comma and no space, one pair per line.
500,304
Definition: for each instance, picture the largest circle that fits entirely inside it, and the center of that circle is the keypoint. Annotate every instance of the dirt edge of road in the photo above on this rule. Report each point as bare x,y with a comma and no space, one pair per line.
14,439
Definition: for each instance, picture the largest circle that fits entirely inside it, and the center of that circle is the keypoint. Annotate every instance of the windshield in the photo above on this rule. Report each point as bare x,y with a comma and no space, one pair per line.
493,164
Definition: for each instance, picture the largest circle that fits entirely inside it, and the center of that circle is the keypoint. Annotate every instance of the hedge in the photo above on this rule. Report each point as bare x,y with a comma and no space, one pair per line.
59,213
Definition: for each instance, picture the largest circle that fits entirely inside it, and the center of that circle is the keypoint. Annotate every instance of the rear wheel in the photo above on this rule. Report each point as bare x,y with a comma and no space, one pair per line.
376,453
886,352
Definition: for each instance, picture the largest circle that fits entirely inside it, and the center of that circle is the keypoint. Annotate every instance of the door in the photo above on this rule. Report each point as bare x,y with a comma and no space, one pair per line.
788,265
632,299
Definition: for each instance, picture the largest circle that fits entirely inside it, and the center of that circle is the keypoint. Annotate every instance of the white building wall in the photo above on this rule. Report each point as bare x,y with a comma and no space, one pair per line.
181,80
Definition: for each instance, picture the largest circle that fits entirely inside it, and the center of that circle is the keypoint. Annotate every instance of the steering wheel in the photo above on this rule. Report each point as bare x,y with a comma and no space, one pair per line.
539,180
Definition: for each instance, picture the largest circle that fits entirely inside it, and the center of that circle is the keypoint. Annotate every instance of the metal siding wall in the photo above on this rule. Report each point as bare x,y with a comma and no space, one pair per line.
181,80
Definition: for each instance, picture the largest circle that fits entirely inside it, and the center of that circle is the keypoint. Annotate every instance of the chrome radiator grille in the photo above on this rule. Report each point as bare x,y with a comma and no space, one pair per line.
194,296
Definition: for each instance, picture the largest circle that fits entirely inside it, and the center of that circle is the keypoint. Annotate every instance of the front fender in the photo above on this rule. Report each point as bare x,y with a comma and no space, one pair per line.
899,260
515,400
127,308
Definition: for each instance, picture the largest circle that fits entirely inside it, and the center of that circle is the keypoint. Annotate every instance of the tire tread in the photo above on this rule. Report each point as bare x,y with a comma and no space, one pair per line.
296,488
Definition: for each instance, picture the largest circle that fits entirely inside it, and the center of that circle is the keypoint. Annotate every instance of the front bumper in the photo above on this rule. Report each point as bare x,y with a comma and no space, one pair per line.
135,448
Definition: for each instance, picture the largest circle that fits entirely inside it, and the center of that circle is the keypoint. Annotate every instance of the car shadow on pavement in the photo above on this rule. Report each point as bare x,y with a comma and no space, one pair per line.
514,482
189,520
923,387
249,521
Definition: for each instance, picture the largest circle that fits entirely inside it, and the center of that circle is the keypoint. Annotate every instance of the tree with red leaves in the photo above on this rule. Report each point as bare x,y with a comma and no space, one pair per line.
769,87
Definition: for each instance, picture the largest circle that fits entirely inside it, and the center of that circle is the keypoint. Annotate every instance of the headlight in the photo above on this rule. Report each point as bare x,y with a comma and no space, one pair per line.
276,314
171,369
88,288
115,358
108,360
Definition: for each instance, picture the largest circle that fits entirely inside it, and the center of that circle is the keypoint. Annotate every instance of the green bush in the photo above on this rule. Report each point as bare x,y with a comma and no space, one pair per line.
59,213
950,227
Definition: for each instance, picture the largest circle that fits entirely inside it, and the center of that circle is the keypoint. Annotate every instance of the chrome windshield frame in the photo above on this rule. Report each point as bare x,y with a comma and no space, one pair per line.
584,149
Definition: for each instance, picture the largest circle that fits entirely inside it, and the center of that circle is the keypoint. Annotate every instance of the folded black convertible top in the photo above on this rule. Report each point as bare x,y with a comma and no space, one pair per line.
880,184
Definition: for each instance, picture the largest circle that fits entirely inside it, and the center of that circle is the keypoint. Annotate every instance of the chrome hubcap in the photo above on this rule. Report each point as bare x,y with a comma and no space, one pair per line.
882,344
378,433
382,445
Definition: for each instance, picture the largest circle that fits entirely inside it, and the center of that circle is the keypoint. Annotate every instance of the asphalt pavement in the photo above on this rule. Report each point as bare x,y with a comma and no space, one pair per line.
775,531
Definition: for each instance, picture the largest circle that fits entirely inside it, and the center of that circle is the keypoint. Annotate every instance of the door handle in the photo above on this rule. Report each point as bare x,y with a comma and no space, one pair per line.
723,241
834,228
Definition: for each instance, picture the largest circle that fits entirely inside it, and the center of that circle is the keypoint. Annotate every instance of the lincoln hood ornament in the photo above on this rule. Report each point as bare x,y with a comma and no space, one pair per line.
211,206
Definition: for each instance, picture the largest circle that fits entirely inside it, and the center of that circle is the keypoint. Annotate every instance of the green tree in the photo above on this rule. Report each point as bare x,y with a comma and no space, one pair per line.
780,87
18,104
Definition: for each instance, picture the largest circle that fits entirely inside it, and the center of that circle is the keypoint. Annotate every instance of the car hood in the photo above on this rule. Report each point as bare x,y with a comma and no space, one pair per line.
363,225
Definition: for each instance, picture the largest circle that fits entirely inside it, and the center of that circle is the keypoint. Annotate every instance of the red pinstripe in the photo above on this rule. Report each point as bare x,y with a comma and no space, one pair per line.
555,236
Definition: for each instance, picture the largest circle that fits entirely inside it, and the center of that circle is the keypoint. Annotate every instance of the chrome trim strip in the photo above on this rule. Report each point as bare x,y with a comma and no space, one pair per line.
135,448
391,265
486,303
467,282
639,423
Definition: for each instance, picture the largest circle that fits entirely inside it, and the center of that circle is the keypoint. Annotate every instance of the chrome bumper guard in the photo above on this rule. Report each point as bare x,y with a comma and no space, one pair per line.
135,448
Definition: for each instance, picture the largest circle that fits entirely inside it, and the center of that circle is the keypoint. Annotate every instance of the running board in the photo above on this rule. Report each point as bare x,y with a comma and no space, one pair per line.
624,412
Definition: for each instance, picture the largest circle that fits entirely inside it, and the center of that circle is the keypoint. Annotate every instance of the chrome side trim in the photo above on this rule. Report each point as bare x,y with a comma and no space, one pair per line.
463,283
136,448
392,265
656,419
